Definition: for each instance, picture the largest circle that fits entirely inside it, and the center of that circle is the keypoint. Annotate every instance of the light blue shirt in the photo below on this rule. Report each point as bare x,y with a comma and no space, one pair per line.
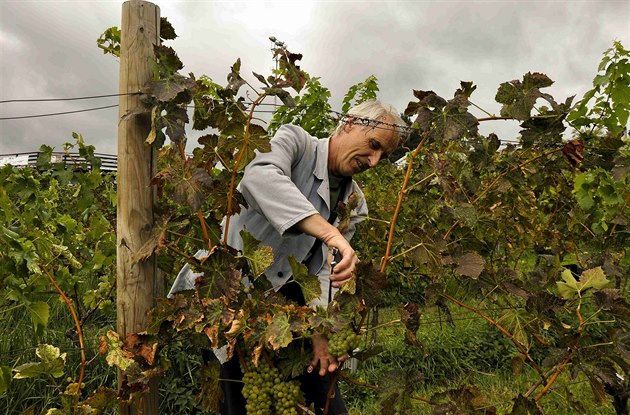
282,187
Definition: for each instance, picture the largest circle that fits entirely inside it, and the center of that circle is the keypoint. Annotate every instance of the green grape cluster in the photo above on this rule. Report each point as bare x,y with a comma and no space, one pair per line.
264,383
286,395
342,342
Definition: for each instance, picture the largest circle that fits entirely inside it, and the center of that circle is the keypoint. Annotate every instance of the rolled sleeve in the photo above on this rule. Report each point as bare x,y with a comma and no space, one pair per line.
267,184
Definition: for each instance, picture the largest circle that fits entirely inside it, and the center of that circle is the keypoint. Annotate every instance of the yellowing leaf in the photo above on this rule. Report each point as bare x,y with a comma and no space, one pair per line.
569,288
310,285
350,286
153,133
258,257
593,278
278,333
116,356
52,363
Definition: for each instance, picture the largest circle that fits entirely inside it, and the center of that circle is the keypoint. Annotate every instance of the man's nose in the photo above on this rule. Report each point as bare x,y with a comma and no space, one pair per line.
374,158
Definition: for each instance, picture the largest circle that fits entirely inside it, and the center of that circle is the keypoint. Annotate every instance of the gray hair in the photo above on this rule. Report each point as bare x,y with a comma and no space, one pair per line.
372,113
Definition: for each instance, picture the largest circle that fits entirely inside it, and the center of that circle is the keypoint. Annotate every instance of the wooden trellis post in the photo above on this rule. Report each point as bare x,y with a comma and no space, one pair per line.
137,282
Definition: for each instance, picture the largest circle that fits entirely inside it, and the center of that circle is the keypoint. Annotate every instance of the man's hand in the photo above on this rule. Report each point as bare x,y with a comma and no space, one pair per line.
317,226
323,358
345,269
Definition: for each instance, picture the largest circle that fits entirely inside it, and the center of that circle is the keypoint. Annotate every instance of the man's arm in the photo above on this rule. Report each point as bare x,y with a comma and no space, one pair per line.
317,226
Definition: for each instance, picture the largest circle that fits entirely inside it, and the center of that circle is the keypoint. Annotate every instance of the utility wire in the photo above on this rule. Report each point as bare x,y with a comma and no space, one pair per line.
57,113
305,109
67,99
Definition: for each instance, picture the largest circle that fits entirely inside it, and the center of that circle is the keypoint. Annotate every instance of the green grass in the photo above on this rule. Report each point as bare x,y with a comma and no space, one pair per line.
469,353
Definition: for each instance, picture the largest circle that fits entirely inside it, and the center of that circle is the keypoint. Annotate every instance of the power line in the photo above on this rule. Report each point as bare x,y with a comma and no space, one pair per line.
57,113
68,99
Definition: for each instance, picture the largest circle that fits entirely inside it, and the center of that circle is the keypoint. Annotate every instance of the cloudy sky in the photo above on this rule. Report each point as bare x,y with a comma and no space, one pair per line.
48,50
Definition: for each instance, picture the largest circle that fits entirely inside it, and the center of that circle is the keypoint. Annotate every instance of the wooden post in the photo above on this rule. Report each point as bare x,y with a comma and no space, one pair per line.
137,283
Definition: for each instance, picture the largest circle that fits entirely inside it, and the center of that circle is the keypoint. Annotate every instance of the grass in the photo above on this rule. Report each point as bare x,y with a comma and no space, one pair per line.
469,353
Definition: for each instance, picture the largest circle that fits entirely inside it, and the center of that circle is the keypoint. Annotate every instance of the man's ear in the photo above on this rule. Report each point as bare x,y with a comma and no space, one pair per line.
348,125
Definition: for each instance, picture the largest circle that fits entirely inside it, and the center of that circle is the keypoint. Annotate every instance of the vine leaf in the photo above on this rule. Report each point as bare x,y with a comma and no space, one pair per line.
175,121
185,184
278,333
261,79
515,322
221,275
444,120
284,96
40,313
168,89
156,242
167,32
543,304
470,264
524,406
166,63
290,73
52,363
137,343
574,152
344,211
465,213
153,134
116,355
214,315
569,288
518,98
410,316
311,288
103,398
591,278
235,82
258,257
370,283
467,399
292,361
258,140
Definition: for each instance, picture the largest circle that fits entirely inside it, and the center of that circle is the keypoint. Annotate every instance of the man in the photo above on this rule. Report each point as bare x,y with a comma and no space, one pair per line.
292,192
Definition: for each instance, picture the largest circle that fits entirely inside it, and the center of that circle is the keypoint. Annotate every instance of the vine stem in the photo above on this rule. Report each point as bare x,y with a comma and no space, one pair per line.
236,165
496,180
494,118
563,365
386,324
204,229
401,195
331,390
504,331
77,324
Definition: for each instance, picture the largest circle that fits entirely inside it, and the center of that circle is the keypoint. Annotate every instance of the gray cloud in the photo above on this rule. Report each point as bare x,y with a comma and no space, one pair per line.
48,50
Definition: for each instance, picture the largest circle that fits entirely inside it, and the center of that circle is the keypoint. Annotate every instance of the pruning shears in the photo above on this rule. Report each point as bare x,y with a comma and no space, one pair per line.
336,258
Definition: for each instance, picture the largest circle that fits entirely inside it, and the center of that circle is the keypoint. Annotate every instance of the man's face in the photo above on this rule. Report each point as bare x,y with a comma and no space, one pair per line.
357,148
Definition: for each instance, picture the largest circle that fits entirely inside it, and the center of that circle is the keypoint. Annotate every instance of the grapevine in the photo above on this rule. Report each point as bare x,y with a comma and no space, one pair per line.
529,235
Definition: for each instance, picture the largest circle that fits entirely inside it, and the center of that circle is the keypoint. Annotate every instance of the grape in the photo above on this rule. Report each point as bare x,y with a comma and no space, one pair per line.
343,342
264,383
